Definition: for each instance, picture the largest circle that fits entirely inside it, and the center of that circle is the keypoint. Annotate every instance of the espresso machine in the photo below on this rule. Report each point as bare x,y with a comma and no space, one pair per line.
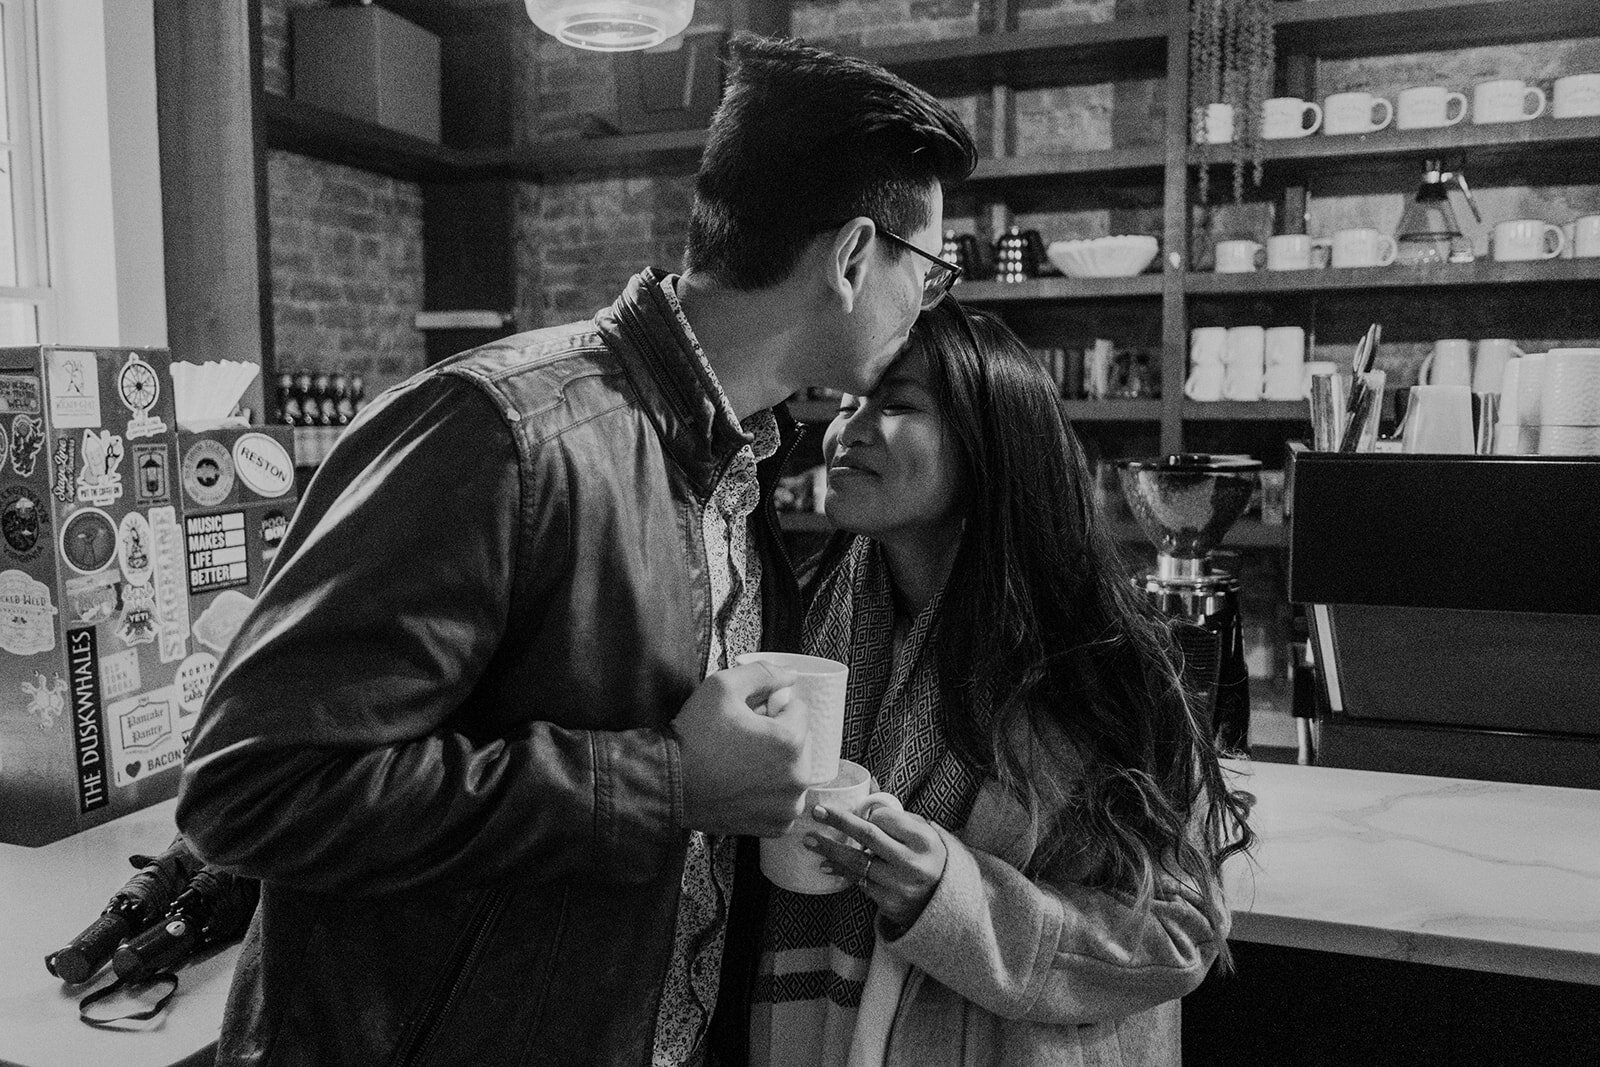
1185,503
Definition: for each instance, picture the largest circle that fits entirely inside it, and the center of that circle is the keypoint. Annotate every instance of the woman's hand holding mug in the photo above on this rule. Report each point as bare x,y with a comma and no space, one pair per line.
899,864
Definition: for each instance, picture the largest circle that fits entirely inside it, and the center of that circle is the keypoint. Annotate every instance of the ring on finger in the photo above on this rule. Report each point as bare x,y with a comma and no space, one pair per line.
862,877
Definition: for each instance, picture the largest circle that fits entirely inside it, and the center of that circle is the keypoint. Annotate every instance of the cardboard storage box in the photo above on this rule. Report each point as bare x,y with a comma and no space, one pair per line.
370,64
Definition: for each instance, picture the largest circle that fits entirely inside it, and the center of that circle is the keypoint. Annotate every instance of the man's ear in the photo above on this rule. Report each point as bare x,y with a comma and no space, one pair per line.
849,261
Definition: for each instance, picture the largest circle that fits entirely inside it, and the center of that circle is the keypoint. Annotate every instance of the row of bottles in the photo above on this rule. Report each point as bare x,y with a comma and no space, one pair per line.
319,405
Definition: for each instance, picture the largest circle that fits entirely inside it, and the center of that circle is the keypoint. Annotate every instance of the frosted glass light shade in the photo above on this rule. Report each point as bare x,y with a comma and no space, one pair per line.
611,25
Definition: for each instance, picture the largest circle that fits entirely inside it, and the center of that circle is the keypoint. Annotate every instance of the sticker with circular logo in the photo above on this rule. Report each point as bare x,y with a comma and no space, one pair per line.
24,522
88,540
207,472
133,548
263,464
194,680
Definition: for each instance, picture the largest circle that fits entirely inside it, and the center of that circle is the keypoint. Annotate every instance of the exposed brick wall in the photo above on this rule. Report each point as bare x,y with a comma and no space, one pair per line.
346,249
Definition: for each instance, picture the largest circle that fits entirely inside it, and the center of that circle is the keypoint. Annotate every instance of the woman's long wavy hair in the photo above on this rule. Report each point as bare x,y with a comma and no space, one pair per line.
1041,623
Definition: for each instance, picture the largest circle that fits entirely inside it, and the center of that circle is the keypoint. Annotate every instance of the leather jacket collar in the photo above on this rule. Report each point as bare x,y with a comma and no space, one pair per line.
673,388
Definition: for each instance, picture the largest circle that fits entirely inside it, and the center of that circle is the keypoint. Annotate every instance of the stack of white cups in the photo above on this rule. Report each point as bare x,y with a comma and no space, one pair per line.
1286,364
1569,403
1206,371
1245,361
1517,432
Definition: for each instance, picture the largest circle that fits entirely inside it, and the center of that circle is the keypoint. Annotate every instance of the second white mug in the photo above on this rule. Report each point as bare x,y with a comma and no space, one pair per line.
1246,363
1521,240
1284,118
1347,113
1238,256
1362,247
1289,251
1506,100
1576,96
1427,107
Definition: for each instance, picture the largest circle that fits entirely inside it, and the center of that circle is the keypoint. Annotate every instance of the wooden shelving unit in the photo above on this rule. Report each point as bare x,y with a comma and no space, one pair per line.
1008,60
296,126
1443,276
1246,411
1114,410
1054,289
1026,58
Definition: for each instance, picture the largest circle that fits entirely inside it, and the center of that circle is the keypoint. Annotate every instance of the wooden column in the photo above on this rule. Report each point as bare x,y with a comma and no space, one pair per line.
213,184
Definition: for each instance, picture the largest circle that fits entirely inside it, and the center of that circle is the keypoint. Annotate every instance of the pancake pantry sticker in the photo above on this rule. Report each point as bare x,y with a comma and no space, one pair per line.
144,735
27,617
27,439
140,387
74,389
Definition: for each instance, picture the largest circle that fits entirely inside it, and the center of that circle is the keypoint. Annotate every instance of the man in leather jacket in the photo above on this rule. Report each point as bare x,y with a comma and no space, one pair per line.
479,738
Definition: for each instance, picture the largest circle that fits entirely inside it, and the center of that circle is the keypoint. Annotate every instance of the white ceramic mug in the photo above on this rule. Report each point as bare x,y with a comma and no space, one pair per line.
1289,251
1583,237
1489,368
1576,96
1285,363
1439,420
1362,247
1245,360
1570,394
1450,363
1207,347
788,863
1213,124
1511,438
1427,107
1506,100
1521,240
1238,256
1284,118
1347,113
819,689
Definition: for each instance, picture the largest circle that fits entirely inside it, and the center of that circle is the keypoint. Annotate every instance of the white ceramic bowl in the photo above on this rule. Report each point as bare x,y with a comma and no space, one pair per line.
1103,257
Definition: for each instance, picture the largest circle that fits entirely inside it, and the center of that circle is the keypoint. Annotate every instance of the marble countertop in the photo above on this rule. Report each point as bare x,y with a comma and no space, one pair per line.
1487,876
1482,875
48,895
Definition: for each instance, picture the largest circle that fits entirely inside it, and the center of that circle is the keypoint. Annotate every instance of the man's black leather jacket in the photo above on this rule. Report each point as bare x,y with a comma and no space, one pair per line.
441,739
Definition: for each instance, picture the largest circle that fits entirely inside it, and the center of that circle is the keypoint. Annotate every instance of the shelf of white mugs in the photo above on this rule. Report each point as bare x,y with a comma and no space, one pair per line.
1419,116
1486,145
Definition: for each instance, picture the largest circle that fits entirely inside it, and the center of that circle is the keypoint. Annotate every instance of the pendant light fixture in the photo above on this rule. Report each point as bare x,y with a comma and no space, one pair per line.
611,25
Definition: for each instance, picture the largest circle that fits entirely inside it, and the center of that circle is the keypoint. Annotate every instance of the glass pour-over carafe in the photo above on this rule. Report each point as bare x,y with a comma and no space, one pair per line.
1429,231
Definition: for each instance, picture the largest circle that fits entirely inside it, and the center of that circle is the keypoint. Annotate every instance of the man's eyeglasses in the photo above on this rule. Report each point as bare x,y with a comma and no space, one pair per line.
940,277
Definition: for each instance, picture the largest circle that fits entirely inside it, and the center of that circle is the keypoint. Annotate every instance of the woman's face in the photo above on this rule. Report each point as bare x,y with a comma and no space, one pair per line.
893,469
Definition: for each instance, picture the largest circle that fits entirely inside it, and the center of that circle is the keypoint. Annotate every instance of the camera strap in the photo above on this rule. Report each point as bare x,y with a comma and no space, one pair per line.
120,985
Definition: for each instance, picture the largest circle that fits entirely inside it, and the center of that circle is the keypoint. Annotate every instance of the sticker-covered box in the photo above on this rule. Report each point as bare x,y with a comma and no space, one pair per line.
95,642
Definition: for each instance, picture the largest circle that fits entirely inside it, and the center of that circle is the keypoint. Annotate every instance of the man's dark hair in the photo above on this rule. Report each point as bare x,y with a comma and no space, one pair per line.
804,141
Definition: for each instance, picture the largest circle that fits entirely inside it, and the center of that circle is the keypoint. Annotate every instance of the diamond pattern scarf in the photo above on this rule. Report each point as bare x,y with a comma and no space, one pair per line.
815,948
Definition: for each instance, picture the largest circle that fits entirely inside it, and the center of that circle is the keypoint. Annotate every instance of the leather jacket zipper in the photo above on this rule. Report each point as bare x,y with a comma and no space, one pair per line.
477,932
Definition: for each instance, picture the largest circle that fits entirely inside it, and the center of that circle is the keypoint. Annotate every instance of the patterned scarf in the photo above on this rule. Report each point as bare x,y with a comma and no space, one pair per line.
815,949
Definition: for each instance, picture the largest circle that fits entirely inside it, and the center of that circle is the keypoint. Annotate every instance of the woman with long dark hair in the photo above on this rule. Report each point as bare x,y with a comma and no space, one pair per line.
1054,883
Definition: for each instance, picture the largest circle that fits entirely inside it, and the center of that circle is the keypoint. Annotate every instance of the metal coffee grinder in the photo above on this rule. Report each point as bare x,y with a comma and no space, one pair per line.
1185,503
